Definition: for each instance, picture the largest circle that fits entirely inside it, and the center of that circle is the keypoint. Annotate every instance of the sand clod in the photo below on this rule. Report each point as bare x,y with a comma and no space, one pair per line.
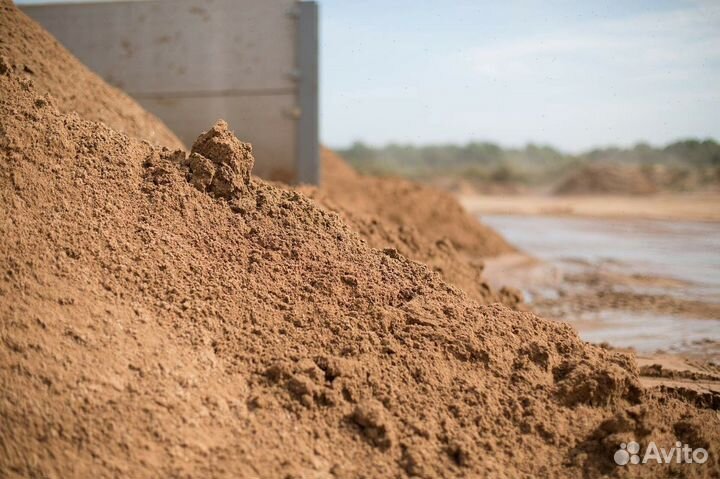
222,161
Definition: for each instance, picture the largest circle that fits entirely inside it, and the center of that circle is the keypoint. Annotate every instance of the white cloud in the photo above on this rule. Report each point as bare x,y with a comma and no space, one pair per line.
676,41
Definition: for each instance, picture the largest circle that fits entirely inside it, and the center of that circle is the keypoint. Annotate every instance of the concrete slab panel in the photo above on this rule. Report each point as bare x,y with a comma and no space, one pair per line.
190,62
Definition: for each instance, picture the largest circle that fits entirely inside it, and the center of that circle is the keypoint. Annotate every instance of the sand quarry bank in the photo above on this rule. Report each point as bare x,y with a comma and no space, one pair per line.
164,313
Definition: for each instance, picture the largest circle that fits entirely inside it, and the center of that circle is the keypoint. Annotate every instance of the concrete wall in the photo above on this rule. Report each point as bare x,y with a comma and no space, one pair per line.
251,62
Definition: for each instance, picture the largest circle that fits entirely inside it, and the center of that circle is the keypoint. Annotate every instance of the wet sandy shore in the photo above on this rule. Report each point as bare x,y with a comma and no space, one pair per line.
647,286
676,206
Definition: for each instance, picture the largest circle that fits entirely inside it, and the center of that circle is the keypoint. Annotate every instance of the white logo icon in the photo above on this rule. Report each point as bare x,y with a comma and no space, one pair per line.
627,453
682,453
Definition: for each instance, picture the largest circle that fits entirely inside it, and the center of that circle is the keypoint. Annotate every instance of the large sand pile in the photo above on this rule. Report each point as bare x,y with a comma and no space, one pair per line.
166,314
373,207
34,52
607,179
428,210
422,223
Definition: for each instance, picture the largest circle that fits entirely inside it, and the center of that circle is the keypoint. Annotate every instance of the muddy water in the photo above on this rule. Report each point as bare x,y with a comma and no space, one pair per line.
677,259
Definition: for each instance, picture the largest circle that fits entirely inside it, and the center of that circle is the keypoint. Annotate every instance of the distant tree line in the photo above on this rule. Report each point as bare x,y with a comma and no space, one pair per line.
532,164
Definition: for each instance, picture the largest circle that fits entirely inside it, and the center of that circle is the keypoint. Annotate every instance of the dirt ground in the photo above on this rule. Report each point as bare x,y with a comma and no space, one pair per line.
703,206
165,313
693,374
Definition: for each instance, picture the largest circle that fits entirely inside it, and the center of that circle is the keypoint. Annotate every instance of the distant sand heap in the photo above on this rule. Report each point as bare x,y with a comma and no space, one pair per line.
607,178
165,314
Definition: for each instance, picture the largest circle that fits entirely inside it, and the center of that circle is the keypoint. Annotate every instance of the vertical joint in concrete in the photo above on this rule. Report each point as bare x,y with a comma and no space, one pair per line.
308,125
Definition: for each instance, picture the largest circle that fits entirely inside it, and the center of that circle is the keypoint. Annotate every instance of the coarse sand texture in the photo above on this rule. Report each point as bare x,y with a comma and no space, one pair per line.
165,314
421,222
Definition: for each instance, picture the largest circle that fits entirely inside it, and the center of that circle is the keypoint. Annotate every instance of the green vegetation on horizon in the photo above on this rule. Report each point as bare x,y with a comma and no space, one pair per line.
532,165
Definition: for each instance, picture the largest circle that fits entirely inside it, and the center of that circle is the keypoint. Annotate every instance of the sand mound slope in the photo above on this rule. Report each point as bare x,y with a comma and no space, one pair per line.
432,212
399,214
607,179
32,50
165,314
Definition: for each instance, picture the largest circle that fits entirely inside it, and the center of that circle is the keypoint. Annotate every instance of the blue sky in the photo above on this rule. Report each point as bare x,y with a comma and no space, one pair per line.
572,74
567,73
